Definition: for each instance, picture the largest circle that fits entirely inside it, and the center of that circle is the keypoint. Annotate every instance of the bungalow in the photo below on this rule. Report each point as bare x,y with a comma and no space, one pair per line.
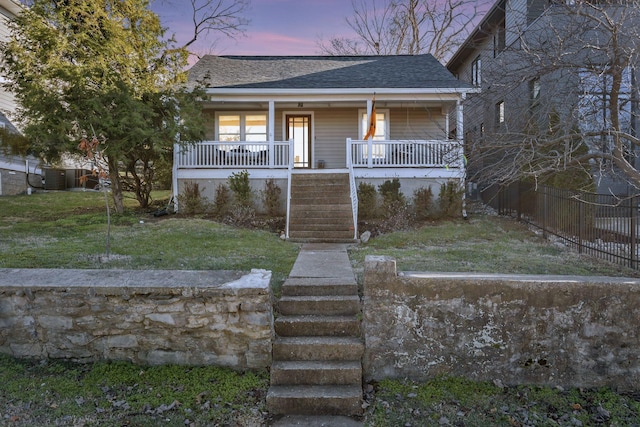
314,123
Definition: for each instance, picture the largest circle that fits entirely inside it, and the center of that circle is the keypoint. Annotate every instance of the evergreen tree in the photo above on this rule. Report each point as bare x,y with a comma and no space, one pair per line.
101,68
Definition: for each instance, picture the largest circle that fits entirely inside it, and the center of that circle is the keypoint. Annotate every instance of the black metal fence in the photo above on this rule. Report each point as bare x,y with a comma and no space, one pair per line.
600,225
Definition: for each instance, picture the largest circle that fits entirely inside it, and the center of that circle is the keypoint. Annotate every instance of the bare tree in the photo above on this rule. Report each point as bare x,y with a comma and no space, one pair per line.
560,103
411,27
214,17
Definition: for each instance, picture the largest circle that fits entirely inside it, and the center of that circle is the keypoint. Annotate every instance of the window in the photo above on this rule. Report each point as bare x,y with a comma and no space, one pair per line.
500,113
594,112
250,127
499,39
534,90
476,72
381,134
534,96
381,124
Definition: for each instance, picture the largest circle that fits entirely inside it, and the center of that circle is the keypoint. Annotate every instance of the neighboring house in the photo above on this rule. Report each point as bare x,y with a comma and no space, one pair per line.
284,117
543,66
13,169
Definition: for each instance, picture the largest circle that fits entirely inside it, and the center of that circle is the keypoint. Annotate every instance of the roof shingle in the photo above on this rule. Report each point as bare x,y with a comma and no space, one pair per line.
323,72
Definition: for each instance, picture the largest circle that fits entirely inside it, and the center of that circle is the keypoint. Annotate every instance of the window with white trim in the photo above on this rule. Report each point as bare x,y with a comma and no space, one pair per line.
499,112
243,126
382,124
378,151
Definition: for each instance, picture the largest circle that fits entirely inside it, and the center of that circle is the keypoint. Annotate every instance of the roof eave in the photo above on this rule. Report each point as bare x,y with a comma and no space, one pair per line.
346,94
495,14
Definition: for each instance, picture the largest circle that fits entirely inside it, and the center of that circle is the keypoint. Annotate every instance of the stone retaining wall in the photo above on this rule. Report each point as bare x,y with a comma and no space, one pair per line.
563,330
147,317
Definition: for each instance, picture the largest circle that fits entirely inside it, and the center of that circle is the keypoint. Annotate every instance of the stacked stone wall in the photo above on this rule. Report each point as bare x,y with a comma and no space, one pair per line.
147,317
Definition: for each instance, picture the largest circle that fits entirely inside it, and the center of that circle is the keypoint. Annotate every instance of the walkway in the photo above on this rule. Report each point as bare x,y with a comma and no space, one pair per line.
318,302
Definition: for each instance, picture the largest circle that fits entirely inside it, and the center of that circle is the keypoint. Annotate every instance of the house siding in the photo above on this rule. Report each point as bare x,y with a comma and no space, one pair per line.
515,19
332,126
418,123
7,100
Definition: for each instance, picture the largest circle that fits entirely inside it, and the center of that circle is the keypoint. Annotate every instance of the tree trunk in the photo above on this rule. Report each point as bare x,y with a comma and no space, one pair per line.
116,186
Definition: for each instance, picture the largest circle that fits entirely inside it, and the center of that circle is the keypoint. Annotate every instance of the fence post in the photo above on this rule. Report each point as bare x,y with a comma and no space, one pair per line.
580,223
633,233
519,201
544,212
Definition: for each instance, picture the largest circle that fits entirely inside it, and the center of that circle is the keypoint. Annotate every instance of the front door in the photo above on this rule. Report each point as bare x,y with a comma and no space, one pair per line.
299,128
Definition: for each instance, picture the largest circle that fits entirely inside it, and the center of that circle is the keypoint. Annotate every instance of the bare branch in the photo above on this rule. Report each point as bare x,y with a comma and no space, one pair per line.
410,27
225,17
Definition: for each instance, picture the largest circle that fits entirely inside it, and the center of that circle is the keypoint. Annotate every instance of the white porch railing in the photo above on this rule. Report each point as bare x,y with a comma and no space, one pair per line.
354,195
221,154
404,153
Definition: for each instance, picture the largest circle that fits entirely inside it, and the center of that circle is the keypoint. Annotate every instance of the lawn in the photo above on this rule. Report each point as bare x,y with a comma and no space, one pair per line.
68,230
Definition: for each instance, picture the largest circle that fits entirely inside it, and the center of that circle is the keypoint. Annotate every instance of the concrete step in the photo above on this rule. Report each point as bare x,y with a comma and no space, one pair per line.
322,236
315,400
316,421
324,305
328,201
317,348
322,210
316,372
318,286
300,326
323,240
325,177
318,228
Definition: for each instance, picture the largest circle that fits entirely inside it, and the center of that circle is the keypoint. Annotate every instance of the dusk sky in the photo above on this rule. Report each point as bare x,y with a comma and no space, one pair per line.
277,27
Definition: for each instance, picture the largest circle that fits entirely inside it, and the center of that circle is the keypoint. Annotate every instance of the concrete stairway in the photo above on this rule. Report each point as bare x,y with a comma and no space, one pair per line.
321,208
317,352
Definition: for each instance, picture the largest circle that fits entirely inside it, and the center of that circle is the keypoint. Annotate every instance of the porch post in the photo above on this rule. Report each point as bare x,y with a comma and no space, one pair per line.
370,140
271,132
447,126
460,120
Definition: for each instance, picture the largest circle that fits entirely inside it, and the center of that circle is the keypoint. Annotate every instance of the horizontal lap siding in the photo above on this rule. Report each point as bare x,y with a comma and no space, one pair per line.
332,128
417,123
7,100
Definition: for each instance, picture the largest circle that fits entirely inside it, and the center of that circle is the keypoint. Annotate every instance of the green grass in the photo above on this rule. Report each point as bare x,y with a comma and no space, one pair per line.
458,401
120,393
68,230
481,244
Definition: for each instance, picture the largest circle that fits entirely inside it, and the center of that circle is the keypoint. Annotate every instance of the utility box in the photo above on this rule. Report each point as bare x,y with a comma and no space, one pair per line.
55,179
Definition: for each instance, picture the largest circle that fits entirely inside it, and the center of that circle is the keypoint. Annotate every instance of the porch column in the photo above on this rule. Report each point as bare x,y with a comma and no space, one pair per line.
447,126
370,140
271,132
460,119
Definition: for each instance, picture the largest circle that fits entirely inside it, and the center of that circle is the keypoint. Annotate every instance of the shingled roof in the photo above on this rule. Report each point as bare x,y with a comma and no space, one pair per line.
323,72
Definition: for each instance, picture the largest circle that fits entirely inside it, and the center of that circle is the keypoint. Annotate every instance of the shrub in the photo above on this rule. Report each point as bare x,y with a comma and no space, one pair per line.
239,184
367,200
241,216
271,197
222,200
190,200
397,217
450,199
423,202
390,191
